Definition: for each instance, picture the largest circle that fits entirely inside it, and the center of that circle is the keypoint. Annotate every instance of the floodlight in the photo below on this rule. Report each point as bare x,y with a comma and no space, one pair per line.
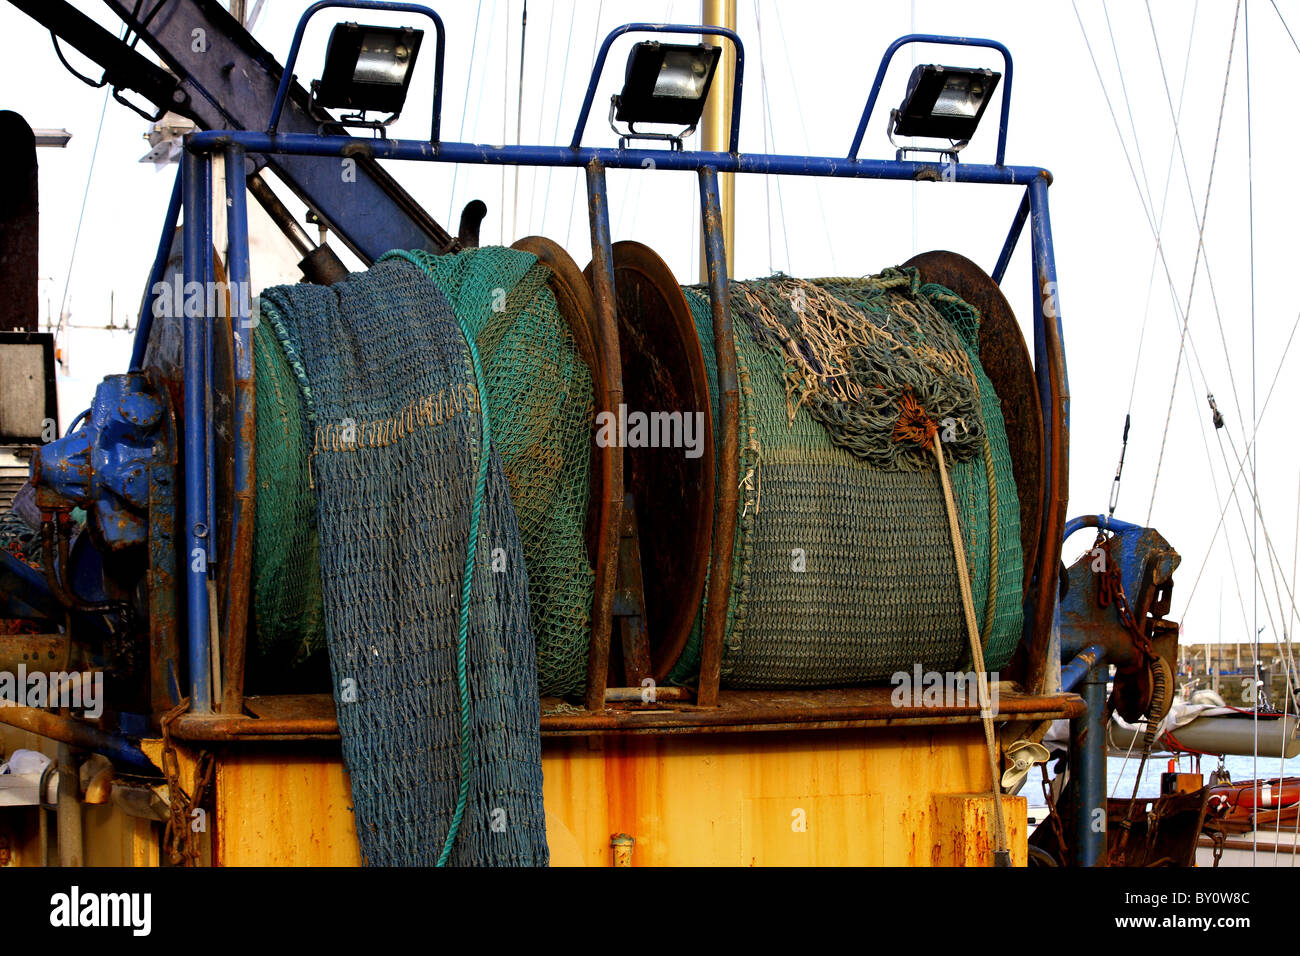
368,69
944,102
665,83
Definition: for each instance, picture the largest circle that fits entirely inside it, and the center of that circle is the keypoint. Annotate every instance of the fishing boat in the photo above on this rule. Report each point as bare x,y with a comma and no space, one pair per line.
472,556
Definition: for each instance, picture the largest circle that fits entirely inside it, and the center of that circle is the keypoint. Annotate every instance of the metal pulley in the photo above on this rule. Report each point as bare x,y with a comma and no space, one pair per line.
1023,754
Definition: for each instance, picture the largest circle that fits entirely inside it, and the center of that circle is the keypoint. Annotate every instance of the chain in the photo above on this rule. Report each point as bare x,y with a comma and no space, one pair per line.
179,834
1110,590
1053,815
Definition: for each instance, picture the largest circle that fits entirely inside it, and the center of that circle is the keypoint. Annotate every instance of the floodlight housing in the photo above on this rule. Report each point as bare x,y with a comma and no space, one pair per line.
368,68
666,83
944,102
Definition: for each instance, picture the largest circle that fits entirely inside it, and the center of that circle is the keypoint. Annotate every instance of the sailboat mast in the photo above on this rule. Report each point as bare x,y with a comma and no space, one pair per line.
716,122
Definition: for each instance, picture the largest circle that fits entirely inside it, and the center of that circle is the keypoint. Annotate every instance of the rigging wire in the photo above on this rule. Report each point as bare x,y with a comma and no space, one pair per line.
81,216
1254,456
1257,516
1164,207
1200,246
769,125
573,196
1241,465
1173,294
1284,25
634,200
794,86
1128,107
541,109
505,119
519,118
559,112
1191,198
464,109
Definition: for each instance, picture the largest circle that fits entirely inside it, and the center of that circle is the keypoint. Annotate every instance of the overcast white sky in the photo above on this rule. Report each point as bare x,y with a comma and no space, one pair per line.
810,67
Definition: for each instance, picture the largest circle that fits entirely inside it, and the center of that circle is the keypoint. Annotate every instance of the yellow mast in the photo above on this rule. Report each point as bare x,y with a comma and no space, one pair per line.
716,123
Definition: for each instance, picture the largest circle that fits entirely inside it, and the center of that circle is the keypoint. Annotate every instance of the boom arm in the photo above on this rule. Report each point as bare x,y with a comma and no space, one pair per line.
227,80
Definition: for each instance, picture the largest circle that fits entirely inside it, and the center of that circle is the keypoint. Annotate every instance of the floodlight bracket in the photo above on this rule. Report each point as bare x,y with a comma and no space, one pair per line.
902,149
288,76
631,134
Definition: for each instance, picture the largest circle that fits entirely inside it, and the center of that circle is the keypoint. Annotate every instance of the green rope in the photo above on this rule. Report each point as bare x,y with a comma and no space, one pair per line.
462,638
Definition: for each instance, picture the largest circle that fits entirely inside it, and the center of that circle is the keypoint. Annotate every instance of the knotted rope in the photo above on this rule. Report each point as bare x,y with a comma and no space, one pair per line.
914,425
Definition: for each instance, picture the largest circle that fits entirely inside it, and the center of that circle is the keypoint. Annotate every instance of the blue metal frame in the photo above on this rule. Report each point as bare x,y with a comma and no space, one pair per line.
195,173
737,86
286,80
144,326
946,41
201,146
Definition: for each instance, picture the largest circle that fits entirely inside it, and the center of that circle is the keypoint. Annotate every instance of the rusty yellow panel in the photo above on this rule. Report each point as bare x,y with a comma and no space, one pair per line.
964,826
811,830
284,809
112,838
729,799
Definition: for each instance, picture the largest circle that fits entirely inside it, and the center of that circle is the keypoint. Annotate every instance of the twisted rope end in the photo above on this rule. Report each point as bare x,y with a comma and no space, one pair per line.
914,424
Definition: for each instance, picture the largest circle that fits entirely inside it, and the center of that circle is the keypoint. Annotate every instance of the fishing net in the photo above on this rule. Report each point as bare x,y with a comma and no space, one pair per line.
393,426
843,571
541,394
542,411
288,613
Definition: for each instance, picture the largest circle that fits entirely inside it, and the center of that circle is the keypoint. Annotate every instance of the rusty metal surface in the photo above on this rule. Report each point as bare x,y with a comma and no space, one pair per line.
304,716
49,651
728,450
599,276
1056,496
164,624
663,371
574,298
746,711
1006,361
629,604
239,582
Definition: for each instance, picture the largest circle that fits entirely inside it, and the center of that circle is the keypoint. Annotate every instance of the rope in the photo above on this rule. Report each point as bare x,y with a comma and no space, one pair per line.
462,637
991,602
915,426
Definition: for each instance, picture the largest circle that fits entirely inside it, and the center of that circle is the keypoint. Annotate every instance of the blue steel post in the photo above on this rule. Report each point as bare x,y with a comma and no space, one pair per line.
1088,759
728,454
196,429
210,303
159,271
1013,238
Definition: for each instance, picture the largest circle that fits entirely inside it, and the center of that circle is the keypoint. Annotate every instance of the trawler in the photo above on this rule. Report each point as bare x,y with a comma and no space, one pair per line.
371,569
